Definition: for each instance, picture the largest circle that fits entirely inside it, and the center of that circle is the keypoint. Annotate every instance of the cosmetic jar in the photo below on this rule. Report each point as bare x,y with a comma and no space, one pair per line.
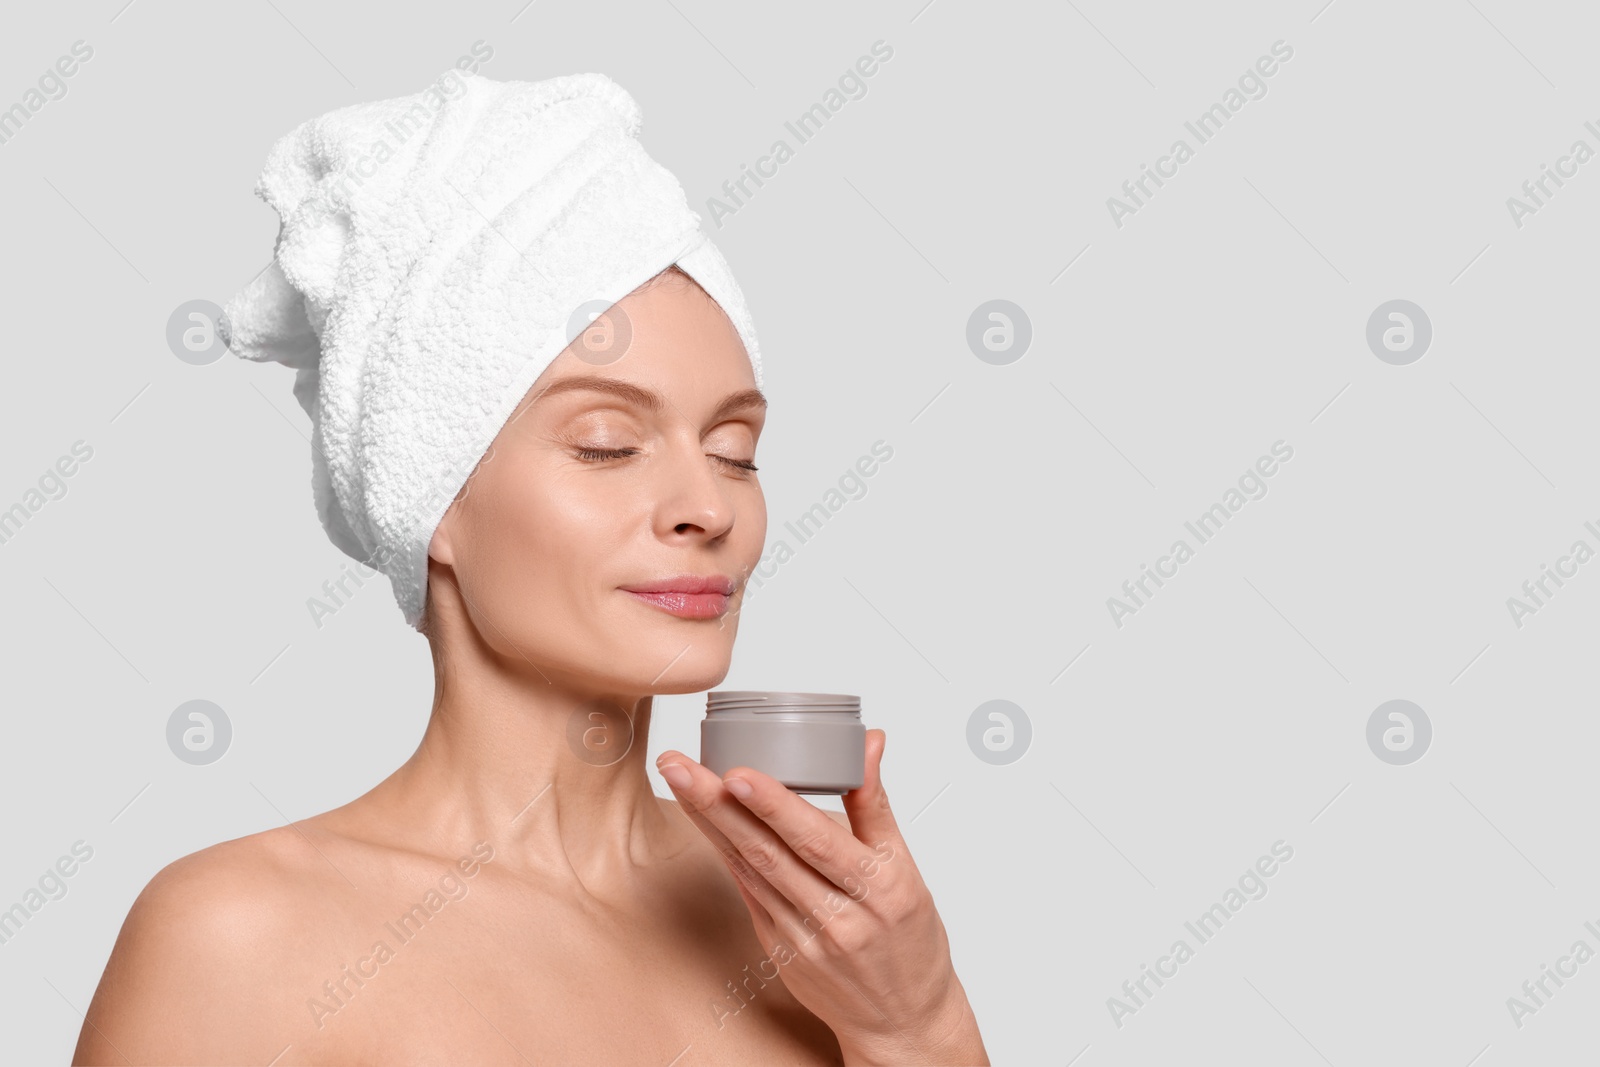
811,742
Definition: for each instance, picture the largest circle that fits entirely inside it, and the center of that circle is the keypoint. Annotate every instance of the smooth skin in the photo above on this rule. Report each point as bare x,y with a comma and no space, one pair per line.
516,892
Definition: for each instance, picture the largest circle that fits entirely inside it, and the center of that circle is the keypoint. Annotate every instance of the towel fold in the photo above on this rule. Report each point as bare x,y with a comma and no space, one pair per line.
433,254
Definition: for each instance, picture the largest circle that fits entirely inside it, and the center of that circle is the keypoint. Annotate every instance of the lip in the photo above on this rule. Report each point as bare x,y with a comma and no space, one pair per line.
688,596
685,583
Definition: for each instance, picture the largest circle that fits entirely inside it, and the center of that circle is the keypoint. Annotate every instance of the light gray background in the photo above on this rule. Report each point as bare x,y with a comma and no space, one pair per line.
1227,314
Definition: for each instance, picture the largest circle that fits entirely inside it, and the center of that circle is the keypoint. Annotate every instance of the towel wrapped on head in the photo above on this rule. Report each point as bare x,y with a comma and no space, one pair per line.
435,253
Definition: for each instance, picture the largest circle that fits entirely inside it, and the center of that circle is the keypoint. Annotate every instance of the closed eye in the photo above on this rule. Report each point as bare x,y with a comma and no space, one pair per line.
599,455
595,455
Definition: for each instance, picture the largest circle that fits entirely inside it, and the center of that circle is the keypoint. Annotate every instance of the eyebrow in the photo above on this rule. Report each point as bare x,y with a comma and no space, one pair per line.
647,399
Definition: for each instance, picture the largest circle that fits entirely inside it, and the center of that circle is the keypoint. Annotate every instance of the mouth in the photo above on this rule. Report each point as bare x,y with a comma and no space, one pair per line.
688,596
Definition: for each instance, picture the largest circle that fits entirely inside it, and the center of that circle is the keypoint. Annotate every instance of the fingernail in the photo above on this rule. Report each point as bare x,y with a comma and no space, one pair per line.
677,775
738,787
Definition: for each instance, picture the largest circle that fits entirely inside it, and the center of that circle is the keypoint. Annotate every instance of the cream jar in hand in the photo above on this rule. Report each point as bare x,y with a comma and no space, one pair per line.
811,742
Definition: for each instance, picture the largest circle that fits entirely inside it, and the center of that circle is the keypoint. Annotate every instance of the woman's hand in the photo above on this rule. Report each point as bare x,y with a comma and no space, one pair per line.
843,913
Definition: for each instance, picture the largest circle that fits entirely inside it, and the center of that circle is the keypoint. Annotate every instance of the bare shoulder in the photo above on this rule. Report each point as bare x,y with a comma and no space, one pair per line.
208,930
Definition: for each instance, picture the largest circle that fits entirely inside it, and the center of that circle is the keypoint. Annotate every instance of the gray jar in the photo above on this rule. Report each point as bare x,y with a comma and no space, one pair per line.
811,742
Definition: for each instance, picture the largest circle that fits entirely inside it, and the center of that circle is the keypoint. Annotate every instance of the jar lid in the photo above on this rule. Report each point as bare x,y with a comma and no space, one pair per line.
765,700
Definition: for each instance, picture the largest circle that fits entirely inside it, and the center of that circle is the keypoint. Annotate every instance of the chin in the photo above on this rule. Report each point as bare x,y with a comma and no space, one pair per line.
702,667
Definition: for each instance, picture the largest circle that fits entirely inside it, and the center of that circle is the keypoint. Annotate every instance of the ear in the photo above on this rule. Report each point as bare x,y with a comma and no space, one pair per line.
440,547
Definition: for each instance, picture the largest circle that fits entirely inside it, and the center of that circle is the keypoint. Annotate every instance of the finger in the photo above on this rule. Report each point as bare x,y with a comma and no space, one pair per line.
871,819
749,883
755,852
766,930
814,838
760,918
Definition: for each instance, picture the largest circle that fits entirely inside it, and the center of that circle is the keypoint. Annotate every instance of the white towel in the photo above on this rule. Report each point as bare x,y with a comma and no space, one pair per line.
432,256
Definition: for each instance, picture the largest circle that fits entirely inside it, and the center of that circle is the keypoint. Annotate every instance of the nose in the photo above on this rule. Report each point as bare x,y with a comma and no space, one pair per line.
694,500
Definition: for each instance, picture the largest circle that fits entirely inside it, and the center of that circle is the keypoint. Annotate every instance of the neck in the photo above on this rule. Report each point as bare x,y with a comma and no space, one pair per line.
549,771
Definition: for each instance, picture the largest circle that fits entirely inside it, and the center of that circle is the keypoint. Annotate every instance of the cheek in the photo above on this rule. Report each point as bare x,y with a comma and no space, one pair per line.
549,536
540,554
753,520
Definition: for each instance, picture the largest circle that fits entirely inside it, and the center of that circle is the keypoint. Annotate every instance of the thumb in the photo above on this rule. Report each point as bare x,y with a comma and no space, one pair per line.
867,807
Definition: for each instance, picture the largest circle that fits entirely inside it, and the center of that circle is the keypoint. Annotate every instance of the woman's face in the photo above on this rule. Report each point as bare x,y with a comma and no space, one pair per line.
617,473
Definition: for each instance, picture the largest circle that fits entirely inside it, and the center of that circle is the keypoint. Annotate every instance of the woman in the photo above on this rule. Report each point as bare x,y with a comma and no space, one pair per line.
515,892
